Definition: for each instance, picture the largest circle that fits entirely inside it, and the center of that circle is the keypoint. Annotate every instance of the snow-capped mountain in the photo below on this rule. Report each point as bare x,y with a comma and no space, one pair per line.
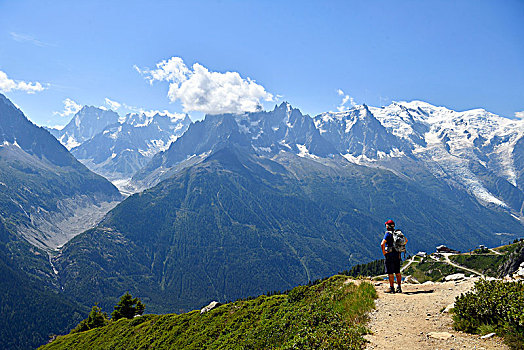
474,134
85,124
284,128
357,134
265,132
47,195
122,148
117,146
474,150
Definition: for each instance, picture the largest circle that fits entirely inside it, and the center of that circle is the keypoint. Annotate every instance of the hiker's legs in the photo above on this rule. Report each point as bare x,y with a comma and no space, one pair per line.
391,280
399,278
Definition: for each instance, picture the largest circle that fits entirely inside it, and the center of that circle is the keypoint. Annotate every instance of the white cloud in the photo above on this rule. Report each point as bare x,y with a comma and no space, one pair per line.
70,108
153,112
28,38
7,85
519,115
199,89
343,107
113,105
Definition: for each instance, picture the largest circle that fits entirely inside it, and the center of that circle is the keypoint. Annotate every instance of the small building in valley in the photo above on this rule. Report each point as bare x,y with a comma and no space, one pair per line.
444,249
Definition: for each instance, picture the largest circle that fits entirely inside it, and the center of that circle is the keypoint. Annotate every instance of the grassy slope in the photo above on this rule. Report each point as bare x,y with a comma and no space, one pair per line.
326,315
486,264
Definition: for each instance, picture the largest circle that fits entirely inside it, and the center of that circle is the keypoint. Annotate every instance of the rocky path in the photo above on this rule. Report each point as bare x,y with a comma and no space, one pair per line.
414,319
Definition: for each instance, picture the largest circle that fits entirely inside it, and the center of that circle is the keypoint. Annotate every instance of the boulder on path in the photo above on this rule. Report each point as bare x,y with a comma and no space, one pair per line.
488,336
440,335
455,277
410,279
448,308
210,307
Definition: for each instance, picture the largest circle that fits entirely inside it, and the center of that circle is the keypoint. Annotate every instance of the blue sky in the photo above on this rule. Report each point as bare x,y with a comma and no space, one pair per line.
458,54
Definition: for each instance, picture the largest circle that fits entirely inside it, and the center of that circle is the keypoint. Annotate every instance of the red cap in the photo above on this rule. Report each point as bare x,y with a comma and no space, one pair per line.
390,222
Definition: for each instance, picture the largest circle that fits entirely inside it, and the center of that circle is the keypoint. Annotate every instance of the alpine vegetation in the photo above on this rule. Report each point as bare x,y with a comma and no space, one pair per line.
329,315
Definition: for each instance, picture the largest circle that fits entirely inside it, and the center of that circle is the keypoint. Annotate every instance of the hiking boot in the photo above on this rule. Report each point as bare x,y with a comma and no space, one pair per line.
399,290
390,290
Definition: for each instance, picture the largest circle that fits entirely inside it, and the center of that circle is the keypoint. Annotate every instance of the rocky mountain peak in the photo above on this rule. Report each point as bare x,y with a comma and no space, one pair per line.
285,106
85,124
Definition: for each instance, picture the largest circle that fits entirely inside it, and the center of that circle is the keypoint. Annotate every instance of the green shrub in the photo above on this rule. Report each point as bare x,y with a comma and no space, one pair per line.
495,304
297,294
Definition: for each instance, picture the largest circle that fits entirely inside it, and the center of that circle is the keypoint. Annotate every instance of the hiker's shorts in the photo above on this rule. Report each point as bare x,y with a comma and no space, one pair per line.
392,263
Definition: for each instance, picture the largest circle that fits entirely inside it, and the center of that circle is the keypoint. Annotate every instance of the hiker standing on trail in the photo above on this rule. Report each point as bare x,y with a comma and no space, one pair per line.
392,257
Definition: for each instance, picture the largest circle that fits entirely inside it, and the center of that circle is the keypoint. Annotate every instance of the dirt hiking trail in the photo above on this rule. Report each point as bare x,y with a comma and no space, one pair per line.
414,319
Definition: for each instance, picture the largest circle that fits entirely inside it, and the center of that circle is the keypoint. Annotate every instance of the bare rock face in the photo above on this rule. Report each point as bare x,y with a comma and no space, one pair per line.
520,272
513,263
211,306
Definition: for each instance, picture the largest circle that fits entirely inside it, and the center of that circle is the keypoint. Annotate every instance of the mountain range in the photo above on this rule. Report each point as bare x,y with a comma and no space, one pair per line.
473,151
116,147
242,204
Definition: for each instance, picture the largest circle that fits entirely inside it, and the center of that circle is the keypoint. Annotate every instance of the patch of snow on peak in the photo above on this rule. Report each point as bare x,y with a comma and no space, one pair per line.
416,104
70,143
304,152
360,159
283,143
114,135
394,153
398,120
349,124
145,121
243,128
263,149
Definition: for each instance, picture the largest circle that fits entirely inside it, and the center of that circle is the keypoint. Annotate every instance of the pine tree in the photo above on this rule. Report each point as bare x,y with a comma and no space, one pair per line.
127,307
95,319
